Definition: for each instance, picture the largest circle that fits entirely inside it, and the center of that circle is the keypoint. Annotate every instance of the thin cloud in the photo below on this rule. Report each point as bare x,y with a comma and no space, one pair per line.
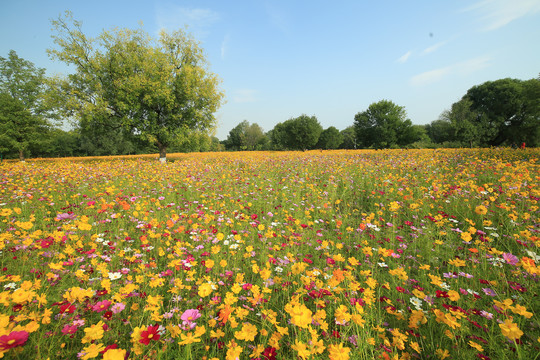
198,20
463,68
404,57
433,48
278,17
245,96
495,14
224,46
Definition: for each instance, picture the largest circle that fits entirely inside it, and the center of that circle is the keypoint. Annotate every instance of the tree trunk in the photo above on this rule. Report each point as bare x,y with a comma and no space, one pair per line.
162,152
21,155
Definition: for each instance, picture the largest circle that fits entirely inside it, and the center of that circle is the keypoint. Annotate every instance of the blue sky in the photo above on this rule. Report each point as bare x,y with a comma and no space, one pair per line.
281,59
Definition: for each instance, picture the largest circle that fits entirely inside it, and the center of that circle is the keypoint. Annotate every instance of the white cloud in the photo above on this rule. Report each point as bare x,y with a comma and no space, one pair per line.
244,96
404,57
198,20
278,17
494,14
433,48
463,68
224,45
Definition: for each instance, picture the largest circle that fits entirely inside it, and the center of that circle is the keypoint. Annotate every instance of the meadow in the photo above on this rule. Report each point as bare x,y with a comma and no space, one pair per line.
418,254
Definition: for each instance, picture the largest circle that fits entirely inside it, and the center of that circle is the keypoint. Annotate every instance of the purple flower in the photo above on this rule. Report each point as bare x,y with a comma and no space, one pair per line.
489,292
510,258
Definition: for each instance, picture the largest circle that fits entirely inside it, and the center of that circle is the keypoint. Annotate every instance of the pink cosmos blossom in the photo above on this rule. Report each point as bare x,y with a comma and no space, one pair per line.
117,308
510,258
101,306
14,339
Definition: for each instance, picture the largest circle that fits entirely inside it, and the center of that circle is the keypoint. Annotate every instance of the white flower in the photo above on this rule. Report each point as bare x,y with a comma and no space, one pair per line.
278,269
382,264
115,275
11,286
416,302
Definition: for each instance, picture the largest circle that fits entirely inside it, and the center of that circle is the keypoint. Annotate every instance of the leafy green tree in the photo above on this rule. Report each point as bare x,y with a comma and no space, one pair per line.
384,125
469,128
278,136
19,128
349,138
23,110
255,137
506,111
236,140
156,89
330,138
440,130
246,136
303,132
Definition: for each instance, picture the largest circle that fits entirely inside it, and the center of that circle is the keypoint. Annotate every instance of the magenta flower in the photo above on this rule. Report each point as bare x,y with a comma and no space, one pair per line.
101,306
69,329
14,339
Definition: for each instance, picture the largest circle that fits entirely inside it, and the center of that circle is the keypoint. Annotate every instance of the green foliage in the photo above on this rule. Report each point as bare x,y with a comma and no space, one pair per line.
125,78
246,136
330,138
384,125
349,138
19,128
301,133
23,106
506,111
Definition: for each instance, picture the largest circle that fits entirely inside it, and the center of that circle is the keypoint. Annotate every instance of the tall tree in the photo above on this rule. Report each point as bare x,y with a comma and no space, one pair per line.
383,125
303,132
125,78
23,109
19,128
330,138
349,138
508,107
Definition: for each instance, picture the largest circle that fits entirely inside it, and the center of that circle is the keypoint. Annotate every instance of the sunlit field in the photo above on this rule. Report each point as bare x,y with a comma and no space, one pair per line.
419,254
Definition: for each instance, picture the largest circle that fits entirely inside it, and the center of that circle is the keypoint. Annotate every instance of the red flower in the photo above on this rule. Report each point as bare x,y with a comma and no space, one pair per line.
269,353
150,334
14,339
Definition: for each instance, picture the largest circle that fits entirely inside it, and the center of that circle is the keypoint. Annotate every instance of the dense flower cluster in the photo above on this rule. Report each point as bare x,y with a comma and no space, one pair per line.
313,255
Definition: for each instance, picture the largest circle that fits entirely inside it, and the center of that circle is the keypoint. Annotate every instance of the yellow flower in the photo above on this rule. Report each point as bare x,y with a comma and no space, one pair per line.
188,339
338,352
481,210
94,332
476,346
234,351
114,354
301,349
247,333
510,330
92,351
300,315
442,354
205,290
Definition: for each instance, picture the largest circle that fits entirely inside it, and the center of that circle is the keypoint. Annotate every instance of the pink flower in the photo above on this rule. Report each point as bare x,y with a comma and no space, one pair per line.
14,339
118,307
190,315
510,258
101,306
69,329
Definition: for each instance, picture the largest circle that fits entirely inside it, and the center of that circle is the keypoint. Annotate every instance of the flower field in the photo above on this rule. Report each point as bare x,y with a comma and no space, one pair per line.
419,254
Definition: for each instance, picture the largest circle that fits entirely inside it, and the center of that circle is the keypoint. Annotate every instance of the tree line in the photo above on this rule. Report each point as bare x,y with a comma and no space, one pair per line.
504,112
130,94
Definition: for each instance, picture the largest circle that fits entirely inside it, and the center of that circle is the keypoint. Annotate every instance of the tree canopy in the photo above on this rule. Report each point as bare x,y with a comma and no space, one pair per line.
155,89
23,106
384,125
